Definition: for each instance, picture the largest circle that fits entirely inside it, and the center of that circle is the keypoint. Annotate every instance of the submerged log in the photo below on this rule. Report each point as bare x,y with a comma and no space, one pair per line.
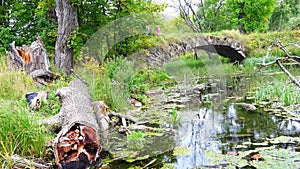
77,144
33,59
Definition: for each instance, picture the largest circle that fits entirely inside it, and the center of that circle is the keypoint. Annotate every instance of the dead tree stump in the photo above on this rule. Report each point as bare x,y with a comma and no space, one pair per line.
77,144
33,59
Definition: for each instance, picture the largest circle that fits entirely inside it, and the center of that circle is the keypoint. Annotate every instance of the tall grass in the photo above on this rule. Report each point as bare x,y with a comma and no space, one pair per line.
279,90
14,84
20,132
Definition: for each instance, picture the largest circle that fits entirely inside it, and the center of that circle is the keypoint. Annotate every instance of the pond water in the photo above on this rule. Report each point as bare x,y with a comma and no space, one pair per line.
227,128
221,128
222,131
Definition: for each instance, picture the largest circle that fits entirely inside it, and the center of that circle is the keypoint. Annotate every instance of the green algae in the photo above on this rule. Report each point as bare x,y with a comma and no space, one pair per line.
271,158
181,151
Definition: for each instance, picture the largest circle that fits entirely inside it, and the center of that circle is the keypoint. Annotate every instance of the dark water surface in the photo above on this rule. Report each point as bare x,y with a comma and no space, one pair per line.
221,129
226,130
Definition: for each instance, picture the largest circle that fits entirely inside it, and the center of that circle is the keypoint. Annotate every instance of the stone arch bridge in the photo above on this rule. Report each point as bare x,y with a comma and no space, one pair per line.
226,47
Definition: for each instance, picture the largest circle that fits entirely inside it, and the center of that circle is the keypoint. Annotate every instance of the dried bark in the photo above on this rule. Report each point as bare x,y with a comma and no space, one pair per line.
29,58
33,59
67,23
77,144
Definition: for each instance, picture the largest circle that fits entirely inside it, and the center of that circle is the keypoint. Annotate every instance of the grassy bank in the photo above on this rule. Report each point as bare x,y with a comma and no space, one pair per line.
256,44
20,131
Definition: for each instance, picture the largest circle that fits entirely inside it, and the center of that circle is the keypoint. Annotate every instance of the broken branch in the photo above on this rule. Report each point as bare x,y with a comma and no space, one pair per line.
288,57
127,117
22,162
288,73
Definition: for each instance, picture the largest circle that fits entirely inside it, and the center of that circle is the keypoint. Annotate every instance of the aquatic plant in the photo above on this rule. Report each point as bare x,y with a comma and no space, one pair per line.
174,116
136,140
272,158
279,90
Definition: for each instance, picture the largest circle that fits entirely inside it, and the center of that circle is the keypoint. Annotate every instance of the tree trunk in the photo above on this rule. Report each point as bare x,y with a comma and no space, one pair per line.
67,23
77,144
33,59
241,15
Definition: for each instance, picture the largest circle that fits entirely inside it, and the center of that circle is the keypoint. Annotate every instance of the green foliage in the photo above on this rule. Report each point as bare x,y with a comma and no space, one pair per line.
109,82
24,21
100,85
14,85
20,132
181,151
256,44
116,81
285,15
53,105
282,91
120,88
46,24
76,41
32,18
214,13
252,62
174,116
5,40
148,79
133,44
176,27
119,35
251,16
136,135
136,140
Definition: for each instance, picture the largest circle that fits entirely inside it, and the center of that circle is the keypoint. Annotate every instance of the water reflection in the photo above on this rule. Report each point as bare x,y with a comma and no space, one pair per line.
290,125
204,129
197,132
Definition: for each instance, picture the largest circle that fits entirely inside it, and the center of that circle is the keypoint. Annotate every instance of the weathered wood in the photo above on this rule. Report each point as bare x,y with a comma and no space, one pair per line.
127,117
29,58
288,57
67,23
33,59
23,163
246,106
77,144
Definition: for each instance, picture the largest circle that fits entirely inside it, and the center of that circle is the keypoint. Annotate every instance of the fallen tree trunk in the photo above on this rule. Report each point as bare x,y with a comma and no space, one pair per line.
77,144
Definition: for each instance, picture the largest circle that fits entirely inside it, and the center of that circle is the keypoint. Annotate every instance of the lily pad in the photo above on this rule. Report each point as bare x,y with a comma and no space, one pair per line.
181,151
261,144
168,166
130,160
285,139
273,158
240,146
247,143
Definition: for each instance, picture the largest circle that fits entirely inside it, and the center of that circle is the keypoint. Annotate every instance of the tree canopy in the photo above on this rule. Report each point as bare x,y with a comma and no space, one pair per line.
247,16
21,21
251,16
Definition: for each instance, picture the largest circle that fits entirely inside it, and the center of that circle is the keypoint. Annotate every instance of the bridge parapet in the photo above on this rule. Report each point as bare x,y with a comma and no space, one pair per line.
226,47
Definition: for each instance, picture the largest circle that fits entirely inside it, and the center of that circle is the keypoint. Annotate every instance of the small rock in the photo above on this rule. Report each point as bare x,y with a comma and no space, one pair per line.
135,103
